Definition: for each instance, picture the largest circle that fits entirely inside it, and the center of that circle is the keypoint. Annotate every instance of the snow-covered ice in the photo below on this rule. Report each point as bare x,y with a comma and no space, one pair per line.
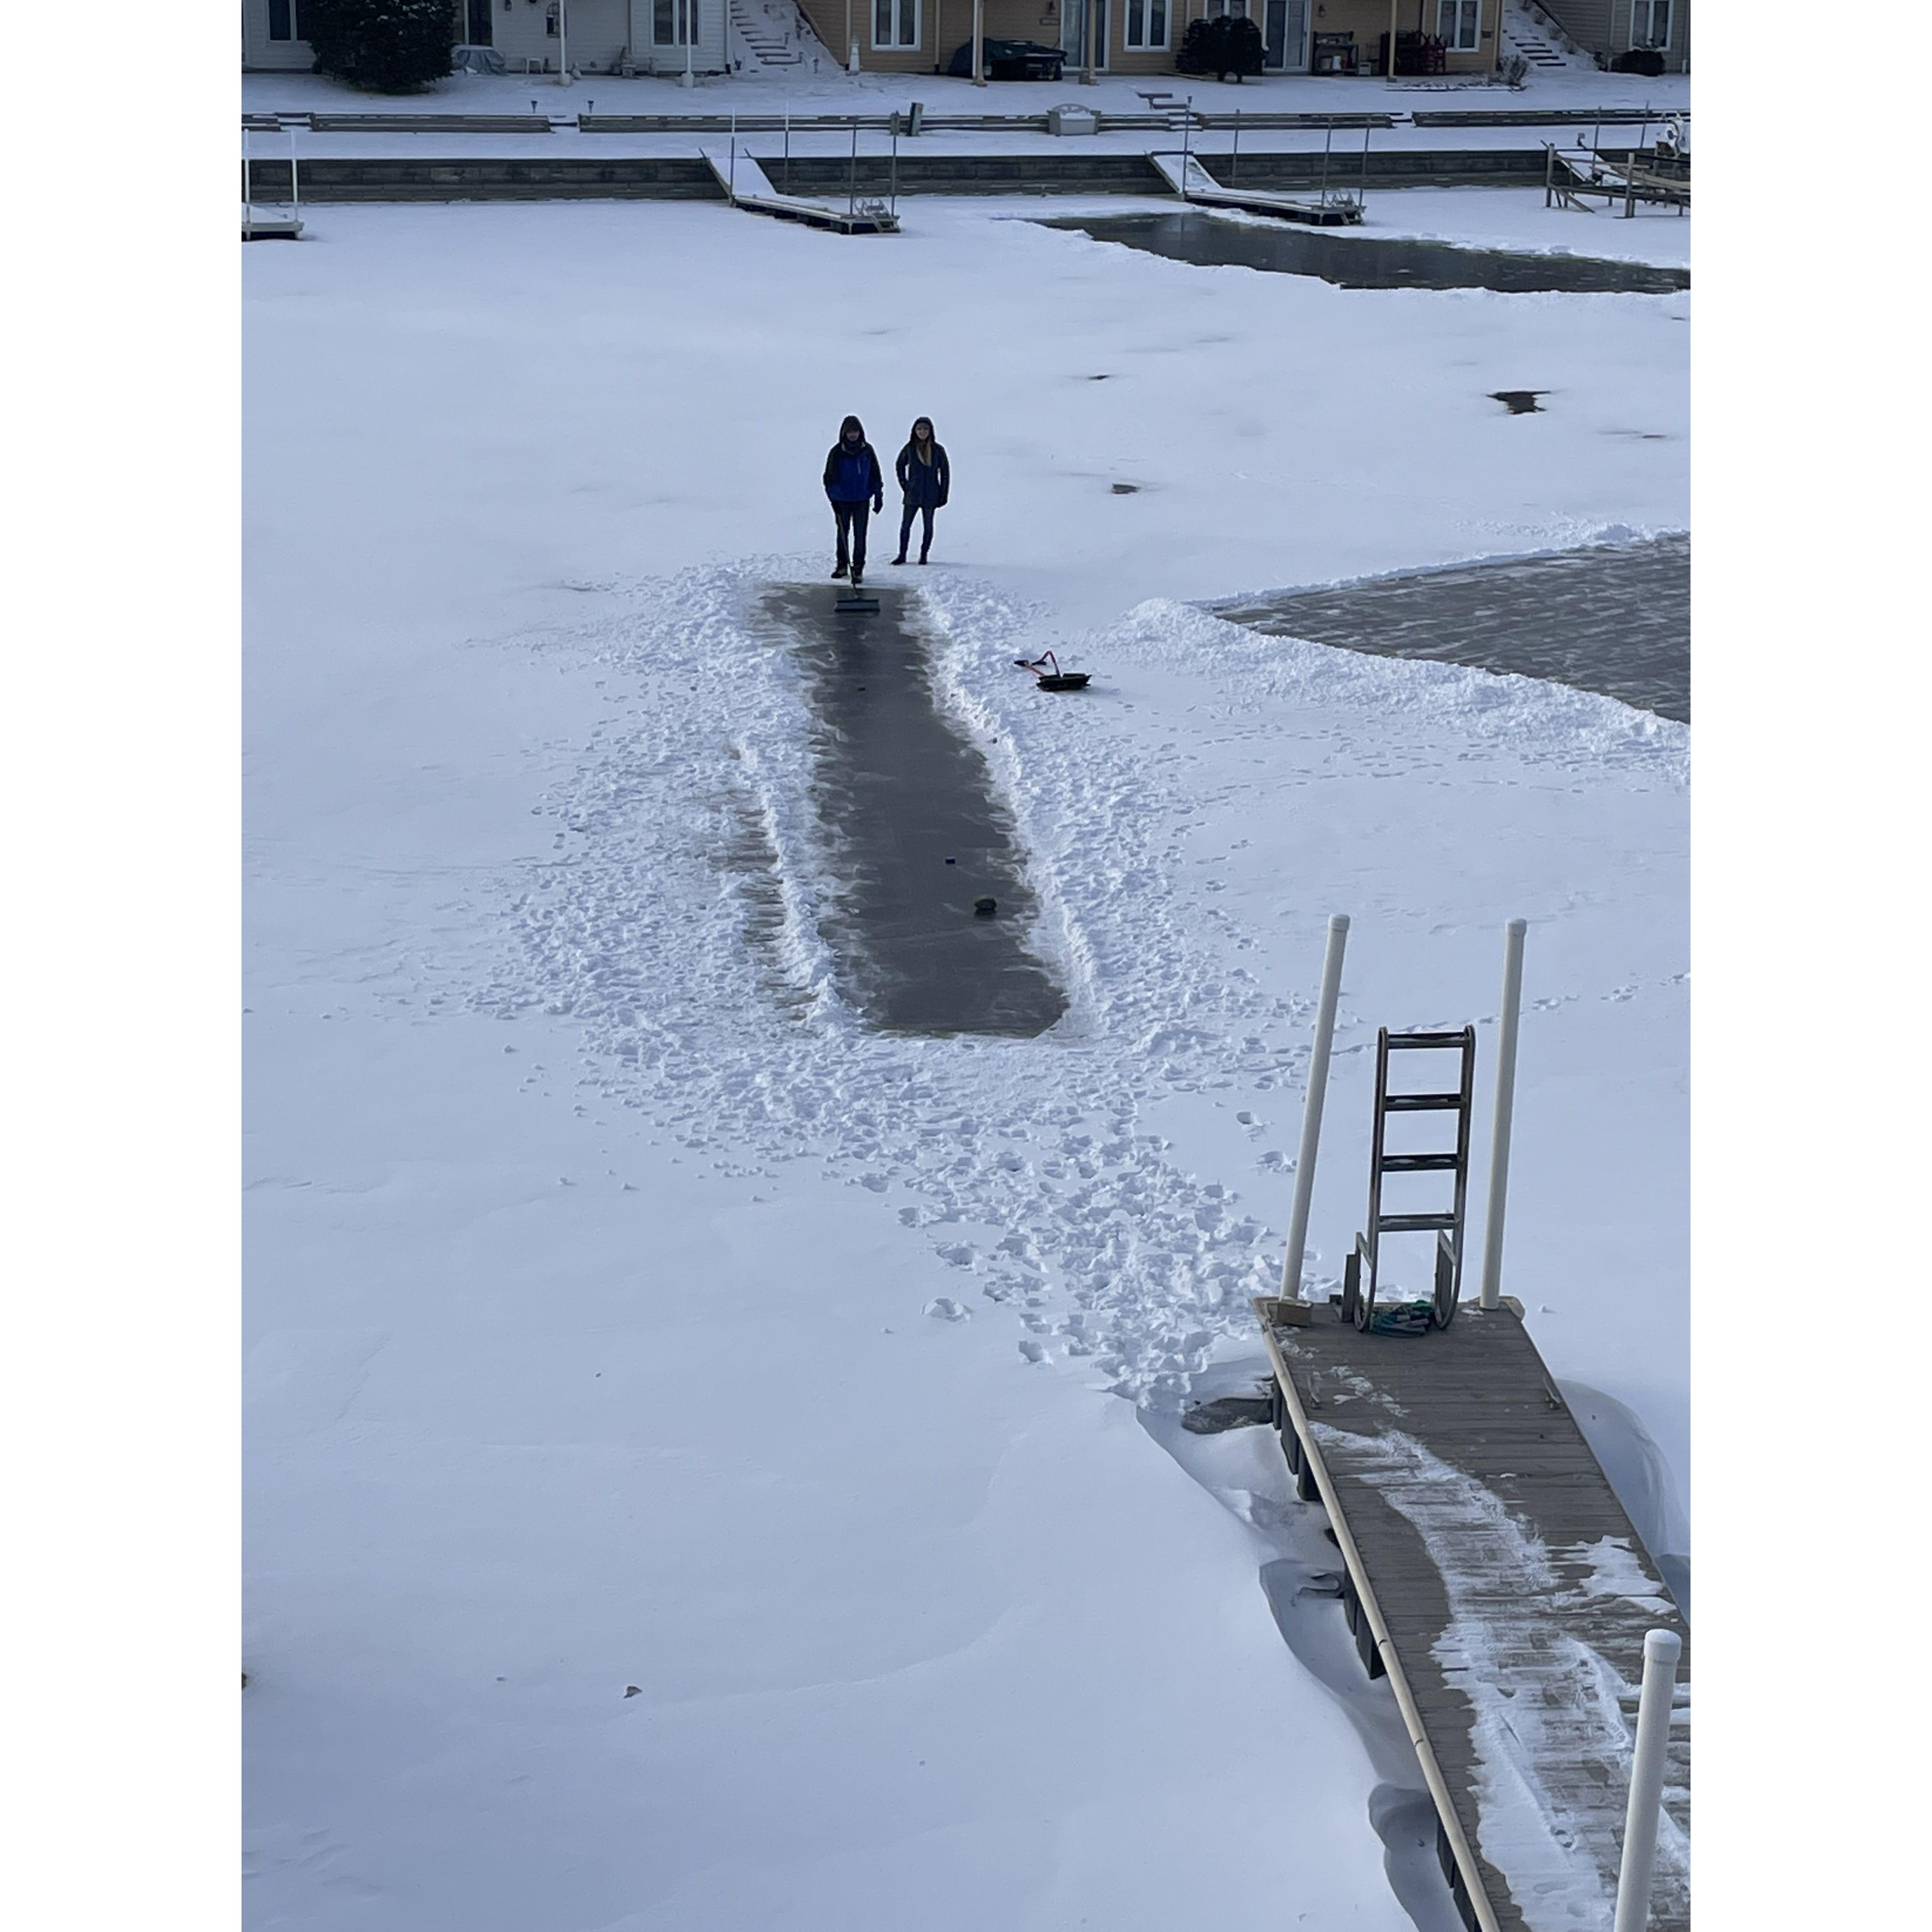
637,1537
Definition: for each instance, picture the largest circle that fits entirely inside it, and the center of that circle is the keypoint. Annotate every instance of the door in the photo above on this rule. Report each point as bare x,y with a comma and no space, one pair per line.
1073,34
1284,36
477,29
675,23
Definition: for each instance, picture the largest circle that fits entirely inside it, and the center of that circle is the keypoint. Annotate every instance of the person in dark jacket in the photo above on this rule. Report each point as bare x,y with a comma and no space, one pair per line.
853,481
926,478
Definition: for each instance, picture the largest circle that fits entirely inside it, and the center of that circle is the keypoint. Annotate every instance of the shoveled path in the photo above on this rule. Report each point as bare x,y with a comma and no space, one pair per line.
916,836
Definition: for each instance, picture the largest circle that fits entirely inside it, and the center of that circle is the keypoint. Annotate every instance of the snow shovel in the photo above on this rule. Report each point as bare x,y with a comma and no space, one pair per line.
1055,678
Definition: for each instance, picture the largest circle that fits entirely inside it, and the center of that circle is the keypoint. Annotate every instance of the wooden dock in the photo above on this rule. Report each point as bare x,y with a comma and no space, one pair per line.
1494,1577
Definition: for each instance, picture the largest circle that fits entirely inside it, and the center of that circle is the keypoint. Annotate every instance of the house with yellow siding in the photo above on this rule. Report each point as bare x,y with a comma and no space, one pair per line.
1137,36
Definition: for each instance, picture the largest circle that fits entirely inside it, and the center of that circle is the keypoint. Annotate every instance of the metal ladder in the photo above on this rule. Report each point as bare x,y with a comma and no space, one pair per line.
1359,1277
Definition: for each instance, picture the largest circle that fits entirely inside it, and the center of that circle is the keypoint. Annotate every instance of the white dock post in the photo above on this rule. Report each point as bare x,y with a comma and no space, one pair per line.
1499,1143
1661,1650
1311,1111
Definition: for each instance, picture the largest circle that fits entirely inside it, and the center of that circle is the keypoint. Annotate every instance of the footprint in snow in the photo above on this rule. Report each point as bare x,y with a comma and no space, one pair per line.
943,1308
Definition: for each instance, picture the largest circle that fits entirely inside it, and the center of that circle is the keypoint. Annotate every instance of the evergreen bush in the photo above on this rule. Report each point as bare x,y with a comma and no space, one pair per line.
388,47
1221,47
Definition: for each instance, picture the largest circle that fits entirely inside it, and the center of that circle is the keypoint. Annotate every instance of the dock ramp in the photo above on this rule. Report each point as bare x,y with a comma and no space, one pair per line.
1184,173
1491,1575
746,182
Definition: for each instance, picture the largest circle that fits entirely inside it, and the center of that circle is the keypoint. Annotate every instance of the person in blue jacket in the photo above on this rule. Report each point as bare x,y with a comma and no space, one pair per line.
854,483
926,479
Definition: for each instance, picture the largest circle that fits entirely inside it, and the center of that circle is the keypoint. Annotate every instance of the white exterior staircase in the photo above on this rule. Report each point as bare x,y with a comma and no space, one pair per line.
1541,41
775,34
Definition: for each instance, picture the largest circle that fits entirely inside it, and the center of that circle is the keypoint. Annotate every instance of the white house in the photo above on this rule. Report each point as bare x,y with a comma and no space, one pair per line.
533,36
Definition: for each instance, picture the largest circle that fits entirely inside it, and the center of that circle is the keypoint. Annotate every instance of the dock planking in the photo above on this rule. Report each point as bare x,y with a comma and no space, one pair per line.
1493,1574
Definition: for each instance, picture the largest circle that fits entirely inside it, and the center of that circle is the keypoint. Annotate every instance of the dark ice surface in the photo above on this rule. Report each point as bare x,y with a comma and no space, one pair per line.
1353,260
900,791
1611,618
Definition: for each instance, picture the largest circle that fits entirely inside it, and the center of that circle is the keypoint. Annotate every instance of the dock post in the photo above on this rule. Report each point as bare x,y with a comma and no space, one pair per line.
1311,1111
1661,1649
1499,1143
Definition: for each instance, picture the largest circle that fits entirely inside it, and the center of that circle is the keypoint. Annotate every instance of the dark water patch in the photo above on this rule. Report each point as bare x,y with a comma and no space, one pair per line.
917,835
1519,402
1355,260
1614,619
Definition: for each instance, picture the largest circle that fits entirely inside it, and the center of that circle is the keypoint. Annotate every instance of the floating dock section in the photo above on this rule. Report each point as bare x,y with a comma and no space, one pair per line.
1493,1577
269,224
745,181
1185,175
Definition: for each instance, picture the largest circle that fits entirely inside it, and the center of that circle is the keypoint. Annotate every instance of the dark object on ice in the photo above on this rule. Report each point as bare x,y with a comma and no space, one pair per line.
1008,60
1226,1412
244,1680
1646,61
631,1690
1054,678
985,907
1126,489
1221,47
1519,402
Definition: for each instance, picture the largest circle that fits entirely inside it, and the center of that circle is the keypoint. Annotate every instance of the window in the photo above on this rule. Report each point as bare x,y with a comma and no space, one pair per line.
282,19
1215,10
1650,23
675,23
895,23
1459,23
1147,23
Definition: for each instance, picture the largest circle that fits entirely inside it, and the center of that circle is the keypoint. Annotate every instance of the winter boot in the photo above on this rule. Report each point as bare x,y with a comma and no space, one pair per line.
838,570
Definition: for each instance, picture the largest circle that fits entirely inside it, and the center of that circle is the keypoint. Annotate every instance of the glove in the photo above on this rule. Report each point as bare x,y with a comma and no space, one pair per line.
879,504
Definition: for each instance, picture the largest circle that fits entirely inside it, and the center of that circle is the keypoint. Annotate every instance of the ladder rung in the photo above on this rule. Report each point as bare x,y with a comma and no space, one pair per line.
1421,1103
1458,1038
1418,1163
1412,1224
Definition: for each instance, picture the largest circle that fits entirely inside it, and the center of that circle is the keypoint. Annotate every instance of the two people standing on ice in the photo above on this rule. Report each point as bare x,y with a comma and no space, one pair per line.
855,486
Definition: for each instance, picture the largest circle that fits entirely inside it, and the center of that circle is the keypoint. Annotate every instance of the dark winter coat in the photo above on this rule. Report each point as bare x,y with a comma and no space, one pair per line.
927,485
853,476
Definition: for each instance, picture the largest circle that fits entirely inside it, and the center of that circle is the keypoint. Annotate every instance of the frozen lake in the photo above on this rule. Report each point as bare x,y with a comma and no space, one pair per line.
1610,618
1351,259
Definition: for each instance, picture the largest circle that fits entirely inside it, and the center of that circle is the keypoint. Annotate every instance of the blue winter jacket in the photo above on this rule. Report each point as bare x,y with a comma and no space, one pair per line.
852,478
